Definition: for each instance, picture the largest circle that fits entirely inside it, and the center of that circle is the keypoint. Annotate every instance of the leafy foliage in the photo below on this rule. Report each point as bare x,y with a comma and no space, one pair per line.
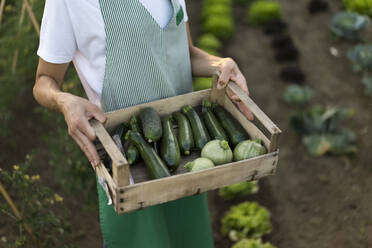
202,83
361,57
361,6
238,190
349,25
216,10
322,131
209,41
295,94
246,220
220,26
263,11
35,204
252,243
367,82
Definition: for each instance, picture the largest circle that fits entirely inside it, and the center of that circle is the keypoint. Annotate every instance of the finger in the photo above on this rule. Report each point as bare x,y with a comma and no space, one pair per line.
224,77
245,110
83,148
97,113
87,129
88,148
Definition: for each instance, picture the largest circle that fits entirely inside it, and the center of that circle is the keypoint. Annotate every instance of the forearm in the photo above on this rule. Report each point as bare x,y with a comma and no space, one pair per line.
202,63
47,92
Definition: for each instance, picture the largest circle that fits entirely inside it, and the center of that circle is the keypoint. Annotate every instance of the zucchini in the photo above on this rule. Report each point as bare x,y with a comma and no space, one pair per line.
233,129
132,153
169,149
155,165
201,136
211,122
151,124
185,138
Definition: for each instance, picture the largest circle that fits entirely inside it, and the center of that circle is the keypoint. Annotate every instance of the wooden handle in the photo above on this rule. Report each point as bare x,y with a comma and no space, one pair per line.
256,111
120,166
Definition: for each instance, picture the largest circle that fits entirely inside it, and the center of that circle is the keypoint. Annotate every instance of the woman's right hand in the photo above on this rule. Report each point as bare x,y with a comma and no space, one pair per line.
78,111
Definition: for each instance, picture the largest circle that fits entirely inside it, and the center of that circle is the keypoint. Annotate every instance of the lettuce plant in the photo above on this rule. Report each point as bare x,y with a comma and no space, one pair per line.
238,190
220,26
263,11
246,220
252,243
361,6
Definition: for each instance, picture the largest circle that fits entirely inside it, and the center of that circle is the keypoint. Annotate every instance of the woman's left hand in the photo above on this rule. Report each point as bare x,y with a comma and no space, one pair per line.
230,71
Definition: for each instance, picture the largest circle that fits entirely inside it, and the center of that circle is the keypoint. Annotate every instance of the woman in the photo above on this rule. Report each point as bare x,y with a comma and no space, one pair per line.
127,52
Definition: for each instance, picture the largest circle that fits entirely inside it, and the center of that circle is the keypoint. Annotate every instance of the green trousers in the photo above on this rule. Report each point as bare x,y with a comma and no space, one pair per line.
184,223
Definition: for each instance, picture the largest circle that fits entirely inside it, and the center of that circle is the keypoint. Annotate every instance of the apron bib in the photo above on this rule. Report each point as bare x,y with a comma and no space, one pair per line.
145,62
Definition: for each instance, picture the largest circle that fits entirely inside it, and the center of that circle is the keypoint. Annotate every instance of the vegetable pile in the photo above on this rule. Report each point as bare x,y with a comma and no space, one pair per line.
246,220
213,133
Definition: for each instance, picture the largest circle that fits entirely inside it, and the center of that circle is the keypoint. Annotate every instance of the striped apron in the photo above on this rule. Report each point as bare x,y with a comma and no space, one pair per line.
145,62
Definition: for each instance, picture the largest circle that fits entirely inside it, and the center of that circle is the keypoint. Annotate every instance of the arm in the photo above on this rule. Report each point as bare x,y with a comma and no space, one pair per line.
76,110
204,65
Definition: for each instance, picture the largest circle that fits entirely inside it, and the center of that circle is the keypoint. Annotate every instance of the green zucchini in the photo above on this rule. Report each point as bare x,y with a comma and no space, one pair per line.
233,129
132,153
169,149
185,138
211,122
155,165
151,124
201,136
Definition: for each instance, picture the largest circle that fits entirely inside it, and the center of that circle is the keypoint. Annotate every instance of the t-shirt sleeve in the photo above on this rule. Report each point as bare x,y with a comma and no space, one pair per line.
57,41
183,4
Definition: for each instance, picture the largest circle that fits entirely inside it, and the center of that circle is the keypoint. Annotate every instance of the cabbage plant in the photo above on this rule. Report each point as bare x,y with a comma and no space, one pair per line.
349,25
246,220
361,57
295,94
367,82
220,26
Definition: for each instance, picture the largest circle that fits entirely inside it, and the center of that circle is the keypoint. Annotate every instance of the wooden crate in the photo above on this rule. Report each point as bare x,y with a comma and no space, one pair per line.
145,192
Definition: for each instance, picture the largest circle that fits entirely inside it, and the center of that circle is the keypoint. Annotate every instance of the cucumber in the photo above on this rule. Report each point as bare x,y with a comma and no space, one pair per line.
233,129
151,124
185,138
201,136
211,122
132,153
169,149
155,165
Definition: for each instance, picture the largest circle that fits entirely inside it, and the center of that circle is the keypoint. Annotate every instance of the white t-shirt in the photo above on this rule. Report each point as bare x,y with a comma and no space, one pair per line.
73,30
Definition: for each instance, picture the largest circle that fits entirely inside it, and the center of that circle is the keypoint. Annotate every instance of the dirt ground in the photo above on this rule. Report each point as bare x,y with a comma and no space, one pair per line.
314,202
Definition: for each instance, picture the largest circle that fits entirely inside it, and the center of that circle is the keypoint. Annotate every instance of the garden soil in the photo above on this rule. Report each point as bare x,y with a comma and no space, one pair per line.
314,202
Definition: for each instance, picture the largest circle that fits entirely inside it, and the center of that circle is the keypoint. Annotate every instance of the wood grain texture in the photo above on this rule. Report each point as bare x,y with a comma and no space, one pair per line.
259,114
163,107
120,166
158,191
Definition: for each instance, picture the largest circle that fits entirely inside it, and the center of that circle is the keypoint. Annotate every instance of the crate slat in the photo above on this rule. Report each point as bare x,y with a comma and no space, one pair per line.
149,193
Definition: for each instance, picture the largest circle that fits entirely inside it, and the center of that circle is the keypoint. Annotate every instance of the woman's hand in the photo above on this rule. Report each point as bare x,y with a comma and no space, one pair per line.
229,70
78,111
